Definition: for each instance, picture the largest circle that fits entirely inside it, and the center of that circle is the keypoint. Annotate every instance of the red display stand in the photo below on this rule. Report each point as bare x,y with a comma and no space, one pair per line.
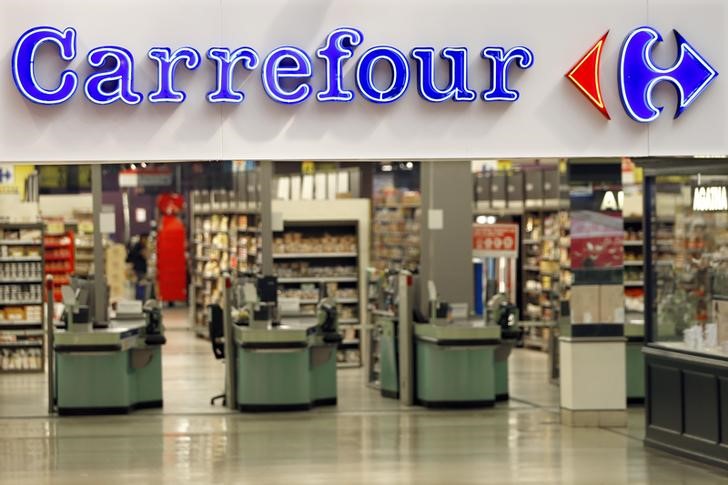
171,261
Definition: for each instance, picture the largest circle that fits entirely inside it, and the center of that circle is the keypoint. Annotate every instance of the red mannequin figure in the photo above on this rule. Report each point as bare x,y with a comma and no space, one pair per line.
171,262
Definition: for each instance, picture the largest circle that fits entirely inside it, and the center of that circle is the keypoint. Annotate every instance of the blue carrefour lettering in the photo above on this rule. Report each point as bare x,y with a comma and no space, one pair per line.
166,65
117,82
339,47
690,75
365,74
500,61
23,64
283,64
382,73
457,89
226,61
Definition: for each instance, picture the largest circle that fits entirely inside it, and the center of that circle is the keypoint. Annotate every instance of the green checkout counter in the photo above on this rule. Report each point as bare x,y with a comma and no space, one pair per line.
462,364
109,370
635,363
283,368
455,364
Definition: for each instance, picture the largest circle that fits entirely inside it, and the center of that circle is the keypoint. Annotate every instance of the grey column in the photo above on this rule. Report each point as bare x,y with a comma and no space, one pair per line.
266,216
99,268
446,255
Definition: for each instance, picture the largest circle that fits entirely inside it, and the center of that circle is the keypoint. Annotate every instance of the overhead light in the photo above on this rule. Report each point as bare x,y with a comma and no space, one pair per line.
387,167
133,166
491,219
481,220
409,165
144,164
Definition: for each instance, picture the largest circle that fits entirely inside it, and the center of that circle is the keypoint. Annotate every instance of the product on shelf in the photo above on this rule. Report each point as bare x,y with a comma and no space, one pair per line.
17,359
296,242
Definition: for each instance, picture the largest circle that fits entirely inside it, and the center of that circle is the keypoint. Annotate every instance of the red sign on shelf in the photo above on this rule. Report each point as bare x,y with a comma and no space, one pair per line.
495,240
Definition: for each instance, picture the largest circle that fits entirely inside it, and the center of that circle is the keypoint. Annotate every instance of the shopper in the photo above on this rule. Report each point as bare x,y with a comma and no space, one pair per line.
138,258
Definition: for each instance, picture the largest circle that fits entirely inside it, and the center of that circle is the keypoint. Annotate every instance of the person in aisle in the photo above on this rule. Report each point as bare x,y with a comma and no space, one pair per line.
137,257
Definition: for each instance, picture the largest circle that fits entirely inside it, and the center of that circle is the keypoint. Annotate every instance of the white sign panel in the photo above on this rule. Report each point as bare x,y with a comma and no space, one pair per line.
322,80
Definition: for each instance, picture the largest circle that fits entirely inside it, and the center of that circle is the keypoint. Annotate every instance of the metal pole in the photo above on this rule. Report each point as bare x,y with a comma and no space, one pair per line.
266,216
50,356
406,354
99,276
229,335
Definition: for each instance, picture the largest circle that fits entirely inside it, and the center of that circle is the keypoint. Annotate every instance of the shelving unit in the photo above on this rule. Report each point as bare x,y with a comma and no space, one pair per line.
315,259
634,295
322,248
21,292
225,236
546,277
396,230
60,257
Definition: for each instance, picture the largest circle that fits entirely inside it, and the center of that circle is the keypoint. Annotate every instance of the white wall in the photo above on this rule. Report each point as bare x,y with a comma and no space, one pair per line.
64,205
551,119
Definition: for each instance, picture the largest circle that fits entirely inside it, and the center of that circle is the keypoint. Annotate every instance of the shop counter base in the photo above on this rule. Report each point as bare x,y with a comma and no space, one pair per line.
390,394
502,397
109,410
456,404
269,408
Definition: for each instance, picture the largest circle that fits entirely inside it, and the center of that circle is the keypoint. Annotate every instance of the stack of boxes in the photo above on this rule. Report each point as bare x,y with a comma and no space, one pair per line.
116,271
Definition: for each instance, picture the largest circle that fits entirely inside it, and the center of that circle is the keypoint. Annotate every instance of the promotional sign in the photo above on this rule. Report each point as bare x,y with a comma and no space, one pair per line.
343,80
495,240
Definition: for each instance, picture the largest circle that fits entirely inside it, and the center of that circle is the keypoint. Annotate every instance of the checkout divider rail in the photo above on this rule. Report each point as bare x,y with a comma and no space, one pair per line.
230,351
50,356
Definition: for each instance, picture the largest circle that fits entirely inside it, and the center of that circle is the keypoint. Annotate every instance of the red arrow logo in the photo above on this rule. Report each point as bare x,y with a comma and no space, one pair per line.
585,75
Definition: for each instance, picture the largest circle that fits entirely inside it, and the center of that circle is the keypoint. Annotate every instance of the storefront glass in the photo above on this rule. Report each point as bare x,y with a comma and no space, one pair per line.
690,262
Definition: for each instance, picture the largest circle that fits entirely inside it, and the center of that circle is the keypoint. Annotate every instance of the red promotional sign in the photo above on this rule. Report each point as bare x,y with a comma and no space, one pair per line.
495,240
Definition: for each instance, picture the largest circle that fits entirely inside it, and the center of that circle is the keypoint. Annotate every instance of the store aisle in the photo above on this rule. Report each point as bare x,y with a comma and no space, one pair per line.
366,439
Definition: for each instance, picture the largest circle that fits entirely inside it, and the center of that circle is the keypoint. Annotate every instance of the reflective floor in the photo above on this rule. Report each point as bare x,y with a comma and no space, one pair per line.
365,439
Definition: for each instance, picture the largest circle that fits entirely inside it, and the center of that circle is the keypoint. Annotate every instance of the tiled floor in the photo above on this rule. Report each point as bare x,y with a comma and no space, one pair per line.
365,439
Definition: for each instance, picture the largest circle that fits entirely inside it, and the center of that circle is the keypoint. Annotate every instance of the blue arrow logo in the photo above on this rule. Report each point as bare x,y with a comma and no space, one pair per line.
690,75
5,175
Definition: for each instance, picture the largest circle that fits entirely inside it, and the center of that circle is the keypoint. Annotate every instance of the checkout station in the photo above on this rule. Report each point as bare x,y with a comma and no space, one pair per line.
277,365
102,366
445,361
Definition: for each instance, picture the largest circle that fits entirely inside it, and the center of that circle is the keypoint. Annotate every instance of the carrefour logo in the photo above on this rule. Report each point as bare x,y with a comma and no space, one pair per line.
286,72
638,75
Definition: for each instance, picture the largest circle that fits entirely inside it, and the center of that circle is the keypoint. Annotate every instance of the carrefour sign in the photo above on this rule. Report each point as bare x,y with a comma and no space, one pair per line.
285,72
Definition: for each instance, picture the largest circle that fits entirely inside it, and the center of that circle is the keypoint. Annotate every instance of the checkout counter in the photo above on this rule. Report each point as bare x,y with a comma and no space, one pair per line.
282,365
445,362
108,369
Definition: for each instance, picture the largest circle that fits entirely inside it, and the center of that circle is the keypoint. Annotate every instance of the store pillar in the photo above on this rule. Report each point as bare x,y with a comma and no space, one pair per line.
592,342
446,233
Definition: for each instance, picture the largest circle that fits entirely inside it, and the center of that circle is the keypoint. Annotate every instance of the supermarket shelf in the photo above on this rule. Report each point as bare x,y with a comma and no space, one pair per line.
313,255
531,268
349,342
19,242
347,365
321,279
634,263
18,345
531,241
21,302
21,333
21,281
21,259
19,323
348,321
634,243
58,258
346,300
210,212
634,283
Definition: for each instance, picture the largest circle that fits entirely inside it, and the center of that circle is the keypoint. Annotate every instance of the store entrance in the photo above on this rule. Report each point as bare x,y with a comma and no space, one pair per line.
197,237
